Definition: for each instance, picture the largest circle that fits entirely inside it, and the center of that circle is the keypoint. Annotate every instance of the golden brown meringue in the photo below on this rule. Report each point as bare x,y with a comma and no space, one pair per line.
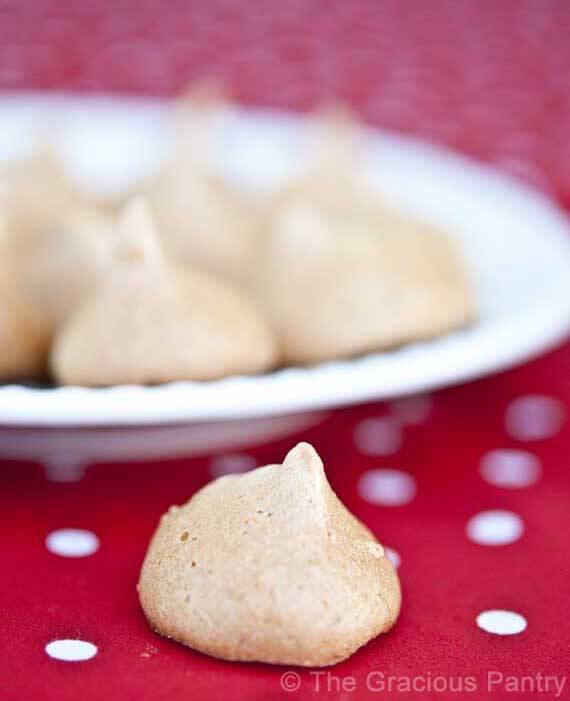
201,219
338,284
151,321
54,265
269,566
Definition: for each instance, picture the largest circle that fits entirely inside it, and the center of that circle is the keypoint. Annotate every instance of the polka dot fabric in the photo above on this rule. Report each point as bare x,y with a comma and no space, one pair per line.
483,563
468,488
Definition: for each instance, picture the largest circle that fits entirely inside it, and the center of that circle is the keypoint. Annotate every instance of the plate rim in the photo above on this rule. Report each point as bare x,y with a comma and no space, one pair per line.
22,405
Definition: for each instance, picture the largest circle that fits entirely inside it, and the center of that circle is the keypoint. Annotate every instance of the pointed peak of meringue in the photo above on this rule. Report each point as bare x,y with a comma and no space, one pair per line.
335,136
207,93
337,115
138,236
304,457
303,474
40,168
194,116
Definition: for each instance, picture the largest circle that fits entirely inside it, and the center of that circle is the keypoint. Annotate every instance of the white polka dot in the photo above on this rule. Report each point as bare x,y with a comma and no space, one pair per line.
501,622
510,468
393,556
495,528
381,435
387,487
72,542
412,410
534,417
71,650
231,463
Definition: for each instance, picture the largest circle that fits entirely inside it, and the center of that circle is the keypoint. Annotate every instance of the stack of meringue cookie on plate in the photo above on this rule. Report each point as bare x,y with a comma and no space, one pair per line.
192,280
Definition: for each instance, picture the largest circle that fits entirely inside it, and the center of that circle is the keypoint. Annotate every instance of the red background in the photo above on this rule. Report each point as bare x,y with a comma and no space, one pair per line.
488,78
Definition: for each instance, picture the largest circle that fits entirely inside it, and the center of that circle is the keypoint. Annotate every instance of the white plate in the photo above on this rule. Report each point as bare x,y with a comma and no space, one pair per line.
66,453
516,242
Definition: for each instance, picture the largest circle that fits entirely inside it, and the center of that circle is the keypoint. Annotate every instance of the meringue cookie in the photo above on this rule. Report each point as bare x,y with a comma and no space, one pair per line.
335,285
202,220
269,566
150,321
54,265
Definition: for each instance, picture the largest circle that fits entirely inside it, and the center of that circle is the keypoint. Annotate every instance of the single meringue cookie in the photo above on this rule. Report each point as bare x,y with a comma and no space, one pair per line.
202,220
269,566
53,266
338,284
151,321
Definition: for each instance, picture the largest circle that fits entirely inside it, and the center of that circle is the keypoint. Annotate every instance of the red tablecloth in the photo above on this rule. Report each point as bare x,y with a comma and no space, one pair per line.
488,78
